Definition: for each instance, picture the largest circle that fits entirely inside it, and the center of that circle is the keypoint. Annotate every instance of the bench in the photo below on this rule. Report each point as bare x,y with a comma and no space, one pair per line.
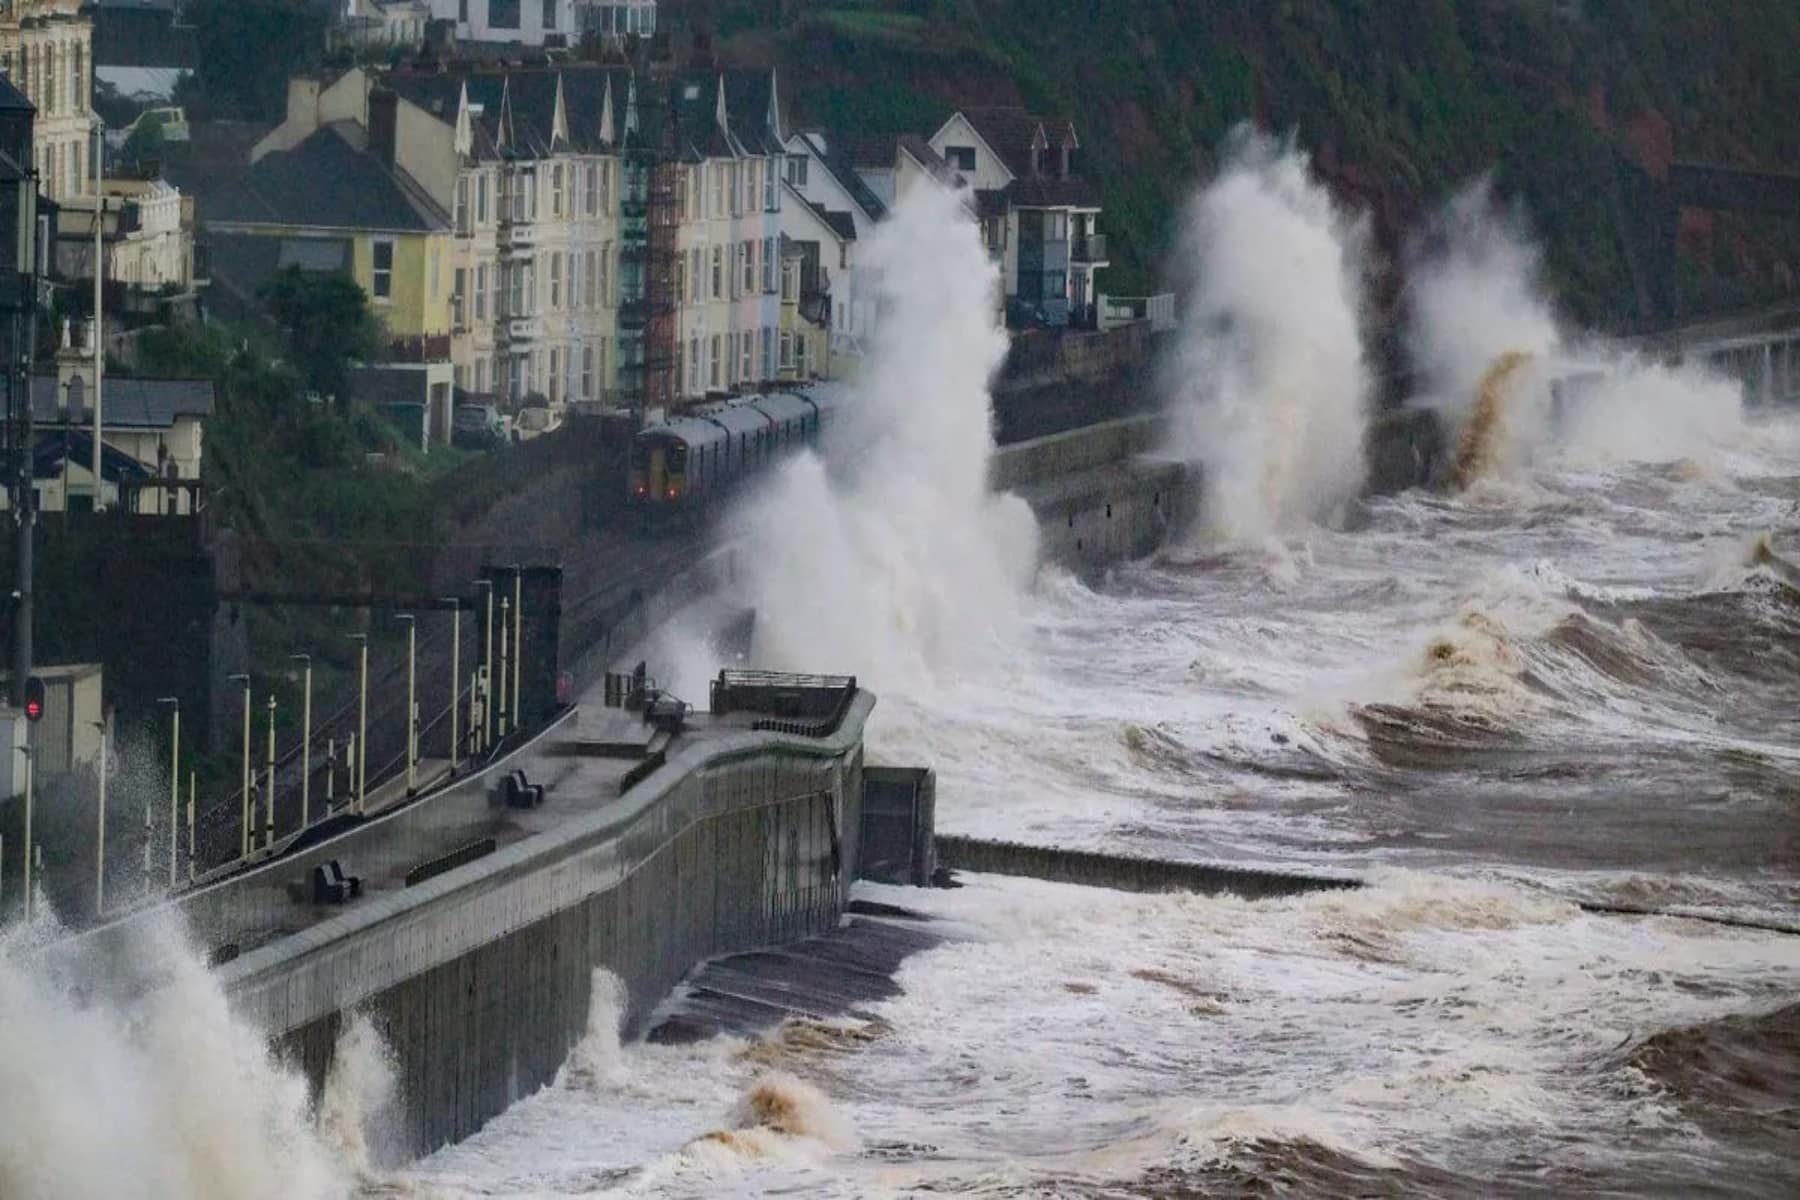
520,794
332,886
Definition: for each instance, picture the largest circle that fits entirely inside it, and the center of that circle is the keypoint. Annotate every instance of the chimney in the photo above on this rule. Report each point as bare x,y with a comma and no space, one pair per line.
384,116
303,104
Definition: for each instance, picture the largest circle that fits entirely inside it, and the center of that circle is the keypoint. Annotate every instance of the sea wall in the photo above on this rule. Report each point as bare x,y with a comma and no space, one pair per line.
1109,492
1100,493
1125,873
479,979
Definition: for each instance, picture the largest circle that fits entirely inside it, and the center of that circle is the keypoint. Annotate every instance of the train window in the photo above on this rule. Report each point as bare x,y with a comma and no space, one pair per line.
678,456
640,453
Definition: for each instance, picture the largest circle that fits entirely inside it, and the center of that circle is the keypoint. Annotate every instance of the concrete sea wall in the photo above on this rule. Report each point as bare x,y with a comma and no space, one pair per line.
479,979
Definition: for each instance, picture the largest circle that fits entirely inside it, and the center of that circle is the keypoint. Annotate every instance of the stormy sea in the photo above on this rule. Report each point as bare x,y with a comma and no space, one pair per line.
1545,707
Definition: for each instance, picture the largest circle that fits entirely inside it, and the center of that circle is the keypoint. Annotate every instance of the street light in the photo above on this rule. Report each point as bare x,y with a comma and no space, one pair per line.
487,665
500,719
359,754
19,269
412,706
455,603
244,837
174,781
100,831
269,798
518,655
26,751
305,742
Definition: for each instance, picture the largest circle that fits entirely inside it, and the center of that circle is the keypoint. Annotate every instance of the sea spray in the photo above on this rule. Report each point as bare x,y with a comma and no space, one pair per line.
1270,386
356,1109
899,563
1482,434
1488,351
160,1094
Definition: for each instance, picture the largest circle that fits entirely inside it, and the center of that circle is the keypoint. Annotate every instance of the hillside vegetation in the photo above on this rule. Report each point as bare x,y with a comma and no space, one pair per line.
1400,101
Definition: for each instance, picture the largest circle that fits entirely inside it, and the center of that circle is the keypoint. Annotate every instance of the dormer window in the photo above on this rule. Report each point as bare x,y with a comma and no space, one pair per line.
960,157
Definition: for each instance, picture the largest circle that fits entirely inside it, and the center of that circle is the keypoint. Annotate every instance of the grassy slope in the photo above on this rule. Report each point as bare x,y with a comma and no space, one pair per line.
1400,100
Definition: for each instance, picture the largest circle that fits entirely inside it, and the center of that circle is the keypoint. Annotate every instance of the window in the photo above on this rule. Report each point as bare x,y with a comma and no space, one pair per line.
555,283
960,157
769,190
481,207
481,281
593,189
517,289
383,269
796,170
549,14
462,206
768,266
481,374
745,366
718,189
747,257
459,281
787,351
605,187
605,271
696,279
718,282
681,278
587,372
591,302
600,361
790,283
556,189
503,14
768,352
553,384
693,364
712,365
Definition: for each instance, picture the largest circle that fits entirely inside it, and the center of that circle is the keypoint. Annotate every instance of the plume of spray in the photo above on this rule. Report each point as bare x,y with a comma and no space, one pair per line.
1270,386
161,1094
1489,350
899,563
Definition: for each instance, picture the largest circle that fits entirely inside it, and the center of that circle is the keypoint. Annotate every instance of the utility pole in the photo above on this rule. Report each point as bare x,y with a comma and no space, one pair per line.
306,744
99,273
455,671
244,828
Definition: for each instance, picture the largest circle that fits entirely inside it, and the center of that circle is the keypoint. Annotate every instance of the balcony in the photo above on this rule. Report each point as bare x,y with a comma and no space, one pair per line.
1089,249
633,315
435,348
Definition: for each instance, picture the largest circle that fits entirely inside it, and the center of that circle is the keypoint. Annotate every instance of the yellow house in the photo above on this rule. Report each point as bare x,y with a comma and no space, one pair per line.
331,203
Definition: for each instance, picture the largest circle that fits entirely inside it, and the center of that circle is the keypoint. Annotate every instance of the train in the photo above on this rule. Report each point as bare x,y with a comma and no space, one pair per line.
682,465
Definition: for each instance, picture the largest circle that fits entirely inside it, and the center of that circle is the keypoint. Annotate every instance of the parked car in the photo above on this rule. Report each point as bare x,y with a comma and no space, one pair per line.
534,422
477,427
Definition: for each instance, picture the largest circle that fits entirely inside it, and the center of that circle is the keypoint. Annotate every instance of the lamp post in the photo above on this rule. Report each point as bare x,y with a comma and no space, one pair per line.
99,274
19,252
174,782
244,838
100,831
455,604
500,718
518,654
412,703
269,796
487,665
305,742
359,766
26,751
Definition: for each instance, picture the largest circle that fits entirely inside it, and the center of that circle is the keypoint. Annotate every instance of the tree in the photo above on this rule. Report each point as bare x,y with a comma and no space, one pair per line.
249,48
327,323
146,140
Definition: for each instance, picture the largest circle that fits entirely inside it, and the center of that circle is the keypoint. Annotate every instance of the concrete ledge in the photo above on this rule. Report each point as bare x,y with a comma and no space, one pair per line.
1127,874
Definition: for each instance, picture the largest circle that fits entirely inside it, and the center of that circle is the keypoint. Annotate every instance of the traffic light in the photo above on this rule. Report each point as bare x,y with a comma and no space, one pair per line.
34,698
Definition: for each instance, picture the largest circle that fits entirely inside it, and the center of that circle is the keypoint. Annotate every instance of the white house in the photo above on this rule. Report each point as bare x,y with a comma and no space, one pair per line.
1039,217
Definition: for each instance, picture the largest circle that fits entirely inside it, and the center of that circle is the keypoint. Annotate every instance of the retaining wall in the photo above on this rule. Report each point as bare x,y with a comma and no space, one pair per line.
479,979
1125,873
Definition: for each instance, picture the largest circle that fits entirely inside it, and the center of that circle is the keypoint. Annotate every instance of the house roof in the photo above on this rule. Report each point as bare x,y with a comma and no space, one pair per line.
874,151
933,162
12,99
837,163
131,403
1047,192
331,181
841,222
1011,132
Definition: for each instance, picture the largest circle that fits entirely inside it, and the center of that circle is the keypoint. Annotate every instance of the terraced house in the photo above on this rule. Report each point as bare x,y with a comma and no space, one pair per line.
46,50
615,240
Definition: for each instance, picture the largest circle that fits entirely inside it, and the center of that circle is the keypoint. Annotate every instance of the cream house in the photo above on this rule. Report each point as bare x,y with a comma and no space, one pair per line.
46,50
